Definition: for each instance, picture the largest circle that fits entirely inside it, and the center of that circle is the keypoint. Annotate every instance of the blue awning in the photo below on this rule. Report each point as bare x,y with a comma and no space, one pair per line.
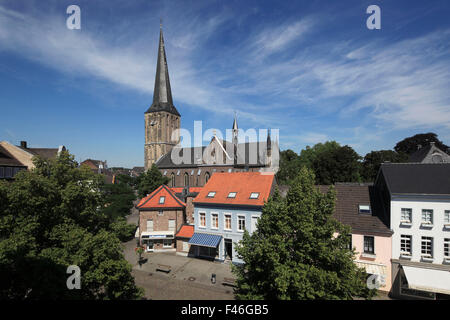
205,240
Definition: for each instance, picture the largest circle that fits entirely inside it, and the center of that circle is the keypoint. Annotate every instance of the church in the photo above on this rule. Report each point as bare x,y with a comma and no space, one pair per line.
162,122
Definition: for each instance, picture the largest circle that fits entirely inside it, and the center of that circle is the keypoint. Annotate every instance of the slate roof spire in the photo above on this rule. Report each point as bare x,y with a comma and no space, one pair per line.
162,94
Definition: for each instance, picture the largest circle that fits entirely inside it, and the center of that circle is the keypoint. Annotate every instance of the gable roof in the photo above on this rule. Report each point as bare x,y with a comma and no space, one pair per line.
243,183
417,178
425,154
348,198
7,159
152,200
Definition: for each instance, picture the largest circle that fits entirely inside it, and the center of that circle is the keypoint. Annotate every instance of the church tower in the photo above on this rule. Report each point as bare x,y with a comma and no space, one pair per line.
162,118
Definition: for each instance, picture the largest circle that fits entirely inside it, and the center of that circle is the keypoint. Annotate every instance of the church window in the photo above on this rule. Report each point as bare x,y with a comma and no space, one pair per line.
207,176
172,178
186,179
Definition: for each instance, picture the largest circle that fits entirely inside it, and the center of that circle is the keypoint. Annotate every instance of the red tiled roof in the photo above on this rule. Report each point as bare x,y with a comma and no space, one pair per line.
191,189
243,183
185,232
152,200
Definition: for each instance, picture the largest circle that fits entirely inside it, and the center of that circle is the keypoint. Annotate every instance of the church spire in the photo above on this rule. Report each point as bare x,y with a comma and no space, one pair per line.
162,94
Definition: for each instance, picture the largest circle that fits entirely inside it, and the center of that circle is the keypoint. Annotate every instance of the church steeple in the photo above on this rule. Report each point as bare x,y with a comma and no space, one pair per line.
162,94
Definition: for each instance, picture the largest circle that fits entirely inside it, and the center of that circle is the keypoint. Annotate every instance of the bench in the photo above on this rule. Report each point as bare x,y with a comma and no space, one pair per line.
163,268
229,282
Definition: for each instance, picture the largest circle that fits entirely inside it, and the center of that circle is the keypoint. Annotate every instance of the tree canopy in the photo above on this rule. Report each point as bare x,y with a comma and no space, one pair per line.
373,160
150,180
51,217
411,144
299,251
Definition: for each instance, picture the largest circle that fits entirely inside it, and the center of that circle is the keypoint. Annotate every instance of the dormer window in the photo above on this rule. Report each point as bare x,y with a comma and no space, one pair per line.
232,195
364,209
162,199
211,194
254,195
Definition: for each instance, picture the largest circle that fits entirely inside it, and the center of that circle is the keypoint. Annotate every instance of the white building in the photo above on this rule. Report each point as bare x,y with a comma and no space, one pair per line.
416,199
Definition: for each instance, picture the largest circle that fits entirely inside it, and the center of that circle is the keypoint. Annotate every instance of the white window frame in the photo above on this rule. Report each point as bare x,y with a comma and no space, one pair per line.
365,207
402,214
373,245
167,246
404,239
237,221
225,215
251,222
447,218
426,221
174,224
232,195
211,194
427,242
162,199
153,225
447,249
200,219
254,197
212,220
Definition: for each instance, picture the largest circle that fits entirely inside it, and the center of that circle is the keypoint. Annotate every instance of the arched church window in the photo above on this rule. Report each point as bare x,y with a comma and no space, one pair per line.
172,179
186,179
207,176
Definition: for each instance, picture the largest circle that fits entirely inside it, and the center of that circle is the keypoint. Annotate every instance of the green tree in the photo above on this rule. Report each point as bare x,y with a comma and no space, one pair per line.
373,160
340,164
411,144
150,180
289,166
310,154
50,218
294,254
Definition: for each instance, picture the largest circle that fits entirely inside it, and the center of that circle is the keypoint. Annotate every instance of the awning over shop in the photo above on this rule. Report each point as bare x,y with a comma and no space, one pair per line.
372,268
157,235
205,240
429,280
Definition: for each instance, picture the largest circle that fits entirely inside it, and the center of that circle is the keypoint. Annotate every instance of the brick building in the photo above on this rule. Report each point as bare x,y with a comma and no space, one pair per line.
164,218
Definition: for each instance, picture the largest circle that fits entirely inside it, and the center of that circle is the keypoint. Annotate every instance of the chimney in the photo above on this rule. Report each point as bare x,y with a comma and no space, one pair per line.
419,146
23,144
432,143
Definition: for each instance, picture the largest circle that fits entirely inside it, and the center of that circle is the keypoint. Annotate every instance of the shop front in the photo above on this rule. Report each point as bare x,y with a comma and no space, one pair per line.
158,241
205,245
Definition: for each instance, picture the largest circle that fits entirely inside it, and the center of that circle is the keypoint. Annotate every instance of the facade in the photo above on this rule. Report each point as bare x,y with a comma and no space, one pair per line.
358,206
165,218
416,201
162,120
227,205
161,215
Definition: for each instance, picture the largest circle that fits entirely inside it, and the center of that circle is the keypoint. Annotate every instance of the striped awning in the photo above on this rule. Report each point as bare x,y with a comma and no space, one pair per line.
372,268
205,240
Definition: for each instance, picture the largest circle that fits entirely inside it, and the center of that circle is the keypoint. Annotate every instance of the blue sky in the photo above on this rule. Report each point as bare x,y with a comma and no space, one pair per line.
312,69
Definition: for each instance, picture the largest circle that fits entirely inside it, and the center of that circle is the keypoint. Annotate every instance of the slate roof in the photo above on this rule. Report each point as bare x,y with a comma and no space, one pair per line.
243,183
250,154
424,153
152,200
162,94
348,198
46,153
417,178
